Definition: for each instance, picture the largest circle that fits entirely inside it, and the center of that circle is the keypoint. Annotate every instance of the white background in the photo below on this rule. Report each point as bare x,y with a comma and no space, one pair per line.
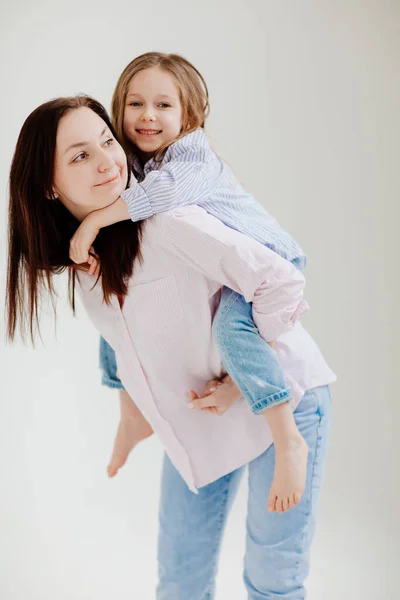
305,106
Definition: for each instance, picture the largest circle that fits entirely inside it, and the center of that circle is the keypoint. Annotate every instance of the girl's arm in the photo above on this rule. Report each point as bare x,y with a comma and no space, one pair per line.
271,283
181,180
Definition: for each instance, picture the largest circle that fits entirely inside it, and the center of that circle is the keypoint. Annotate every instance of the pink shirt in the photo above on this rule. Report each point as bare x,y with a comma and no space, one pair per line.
163,342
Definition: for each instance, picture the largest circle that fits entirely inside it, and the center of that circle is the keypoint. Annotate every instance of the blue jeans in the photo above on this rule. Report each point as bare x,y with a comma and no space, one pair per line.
108,366
277,558
246,356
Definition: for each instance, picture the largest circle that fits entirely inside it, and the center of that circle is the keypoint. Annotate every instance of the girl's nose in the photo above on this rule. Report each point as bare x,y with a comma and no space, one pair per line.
148,116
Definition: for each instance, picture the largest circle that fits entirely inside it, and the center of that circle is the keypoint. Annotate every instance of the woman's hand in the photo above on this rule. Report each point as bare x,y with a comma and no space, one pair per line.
216,397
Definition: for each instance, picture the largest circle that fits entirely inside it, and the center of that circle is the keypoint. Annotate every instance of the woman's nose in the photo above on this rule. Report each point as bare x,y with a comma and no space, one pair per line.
106,163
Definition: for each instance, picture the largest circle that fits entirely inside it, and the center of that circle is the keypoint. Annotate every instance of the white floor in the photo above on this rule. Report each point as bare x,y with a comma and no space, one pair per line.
69,533
75,538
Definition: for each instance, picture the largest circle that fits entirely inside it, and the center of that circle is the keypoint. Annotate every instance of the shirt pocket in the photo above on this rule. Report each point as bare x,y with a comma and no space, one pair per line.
157,306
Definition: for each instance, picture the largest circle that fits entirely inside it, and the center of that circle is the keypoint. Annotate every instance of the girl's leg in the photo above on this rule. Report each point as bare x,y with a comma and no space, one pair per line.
278,545
191,528
132,427
108,366
248,358
254,367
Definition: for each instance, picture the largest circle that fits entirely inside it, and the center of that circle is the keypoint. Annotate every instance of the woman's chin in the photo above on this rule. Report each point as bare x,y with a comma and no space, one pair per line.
111,197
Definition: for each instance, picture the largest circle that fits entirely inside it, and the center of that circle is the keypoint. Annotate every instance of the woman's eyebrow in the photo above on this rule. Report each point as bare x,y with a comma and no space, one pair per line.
79,144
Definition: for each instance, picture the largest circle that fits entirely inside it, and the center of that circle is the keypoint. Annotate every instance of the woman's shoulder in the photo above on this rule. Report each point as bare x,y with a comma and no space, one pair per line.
189,227
177,217
179,225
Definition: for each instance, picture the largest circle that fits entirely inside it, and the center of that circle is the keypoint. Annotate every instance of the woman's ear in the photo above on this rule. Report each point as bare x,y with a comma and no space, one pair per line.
52,196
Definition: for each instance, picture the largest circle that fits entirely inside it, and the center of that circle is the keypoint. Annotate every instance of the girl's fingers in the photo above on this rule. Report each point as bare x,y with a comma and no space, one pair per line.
92,265
199,403
210,387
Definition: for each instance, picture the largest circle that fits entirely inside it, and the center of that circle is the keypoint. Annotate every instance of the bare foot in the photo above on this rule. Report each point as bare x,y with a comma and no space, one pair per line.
290,474
130,432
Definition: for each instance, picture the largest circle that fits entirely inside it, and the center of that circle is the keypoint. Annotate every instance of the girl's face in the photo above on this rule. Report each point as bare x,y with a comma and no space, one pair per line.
153,112
90,166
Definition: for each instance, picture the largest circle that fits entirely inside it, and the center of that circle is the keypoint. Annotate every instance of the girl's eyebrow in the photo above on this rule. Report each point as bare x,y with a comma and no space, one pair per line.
158,95
79,144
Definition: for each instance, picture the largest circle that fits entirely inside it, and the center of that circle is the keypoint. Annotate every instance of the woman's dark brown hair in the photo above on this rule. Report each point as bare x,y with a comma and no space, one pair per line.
40,227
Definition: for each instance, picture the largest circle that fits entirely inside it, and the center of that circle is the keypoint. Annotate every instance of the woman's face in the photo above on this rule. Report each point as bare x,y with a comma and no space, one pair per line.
90,165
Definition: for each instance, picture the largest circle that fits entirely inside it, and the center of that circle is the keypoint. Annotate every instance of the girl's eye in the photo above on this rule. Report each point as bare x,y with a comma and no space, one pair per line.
135,104
109,142
80,157
164,105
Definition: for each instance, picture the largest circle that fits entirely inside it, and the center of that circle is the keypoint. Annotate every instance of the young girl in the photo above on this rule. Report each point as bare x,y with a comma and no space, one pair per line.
159,109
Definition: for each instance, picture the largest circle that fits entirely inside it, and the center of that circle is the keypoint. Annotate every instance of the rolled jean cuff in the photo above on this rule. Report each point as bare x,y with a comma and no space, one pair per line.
273,400
111,383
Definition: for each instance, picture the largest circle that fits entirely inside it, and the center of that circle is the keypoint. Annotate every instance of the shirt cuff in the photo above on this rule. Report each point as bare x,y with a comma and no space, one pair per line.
138,203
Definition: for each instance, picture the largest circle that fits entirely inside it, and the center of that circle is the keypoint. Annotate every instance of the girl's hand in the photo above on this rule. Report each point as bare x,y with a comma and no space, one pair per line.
89,228
94,263
83,239
217,396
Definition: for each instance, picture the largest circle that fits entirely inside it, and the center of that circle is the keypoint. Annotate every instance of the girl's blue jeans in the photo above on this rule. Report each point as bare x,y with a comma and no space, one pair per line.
246,356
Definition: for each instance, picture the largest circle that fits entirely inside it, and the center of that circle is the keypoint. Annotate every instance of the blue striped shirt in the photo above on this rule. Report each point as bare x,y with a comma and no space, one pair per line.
191,173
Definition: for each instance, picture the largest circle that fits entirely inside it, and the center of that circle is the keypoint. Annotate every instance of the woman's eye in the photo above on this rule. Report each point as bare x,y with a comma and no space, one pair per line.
80,157
109,142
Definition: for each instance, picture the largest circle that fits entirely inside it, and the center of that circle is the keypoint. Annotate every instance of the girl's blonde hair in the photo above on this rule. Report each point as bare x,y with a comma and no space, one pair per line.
192,88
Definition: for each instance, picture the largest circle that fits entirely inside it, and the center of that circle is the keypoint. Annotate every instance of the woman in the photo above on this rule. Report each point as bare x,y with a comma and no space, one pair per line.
154,303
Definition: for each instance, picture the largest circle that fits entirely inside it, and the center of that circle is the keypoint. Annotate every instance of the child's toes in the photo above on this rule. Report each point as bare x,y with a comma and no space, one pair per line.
112,470
285,504
280,505
297,497
271,502
117,461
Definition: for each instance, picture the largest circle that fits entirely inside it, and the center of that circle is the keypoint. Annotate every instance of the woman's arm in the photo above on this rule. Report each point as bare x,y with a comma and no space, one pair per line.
271,283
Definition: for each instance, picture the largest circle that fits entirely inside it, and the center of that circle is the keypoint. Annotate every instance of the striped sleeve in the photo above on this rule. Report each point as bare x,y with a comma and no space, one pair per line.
273,285
182,179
